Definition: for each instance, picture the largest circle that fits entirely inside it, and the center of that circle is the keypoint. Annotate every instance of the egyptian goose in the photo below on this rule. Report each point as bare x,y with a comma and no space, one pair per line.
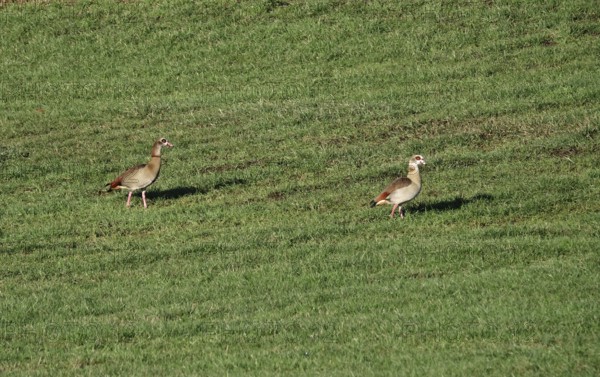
141,176
403,189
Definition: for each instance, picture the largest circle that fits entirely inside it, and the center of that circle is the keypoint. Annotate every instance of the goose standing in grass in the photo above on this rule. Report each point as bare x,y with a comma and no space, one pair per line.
141,176
403,189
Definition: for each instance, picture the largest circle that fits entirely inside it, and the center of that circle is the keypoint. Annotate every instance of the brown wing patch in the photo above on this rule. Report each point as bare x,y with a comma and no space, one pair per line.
398,183
123,177
381,197
116,183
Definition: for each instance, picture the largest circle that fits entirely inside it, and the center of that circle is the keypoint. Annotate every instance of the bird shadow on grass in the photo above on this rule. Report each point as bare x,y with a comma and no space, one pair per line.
180,192
174,193
450,205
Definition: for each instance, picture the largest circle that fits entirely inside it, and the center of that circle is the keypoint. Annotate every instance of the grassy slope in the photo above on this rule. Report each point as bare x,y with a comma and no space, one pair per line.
258,253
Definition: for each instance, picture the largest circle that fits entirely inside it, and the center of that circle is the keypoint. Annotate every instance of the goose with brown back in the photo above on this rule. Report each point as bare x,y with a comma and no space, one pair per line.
403,189
141,176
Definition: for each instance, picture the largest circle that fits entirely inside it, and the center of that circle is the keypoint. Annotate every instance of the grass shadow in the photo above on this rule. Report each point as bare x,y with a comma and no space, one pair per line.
179,192
450,205
174,193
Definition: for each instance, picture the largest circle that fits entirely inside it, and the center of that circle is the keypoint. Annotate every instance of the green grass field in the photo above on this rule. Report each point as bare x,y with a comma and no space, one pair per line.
258,253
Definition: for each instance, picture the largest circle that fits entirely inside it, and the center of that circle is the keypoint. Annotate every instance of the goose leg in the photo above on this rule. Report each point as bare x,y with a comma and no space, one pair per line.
393,210
401,212
144,199
129,198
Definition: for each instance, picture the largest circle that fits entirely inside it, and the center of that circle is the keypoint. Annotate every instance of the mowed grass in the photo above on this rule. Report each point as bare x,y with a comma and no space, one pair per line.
258,253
